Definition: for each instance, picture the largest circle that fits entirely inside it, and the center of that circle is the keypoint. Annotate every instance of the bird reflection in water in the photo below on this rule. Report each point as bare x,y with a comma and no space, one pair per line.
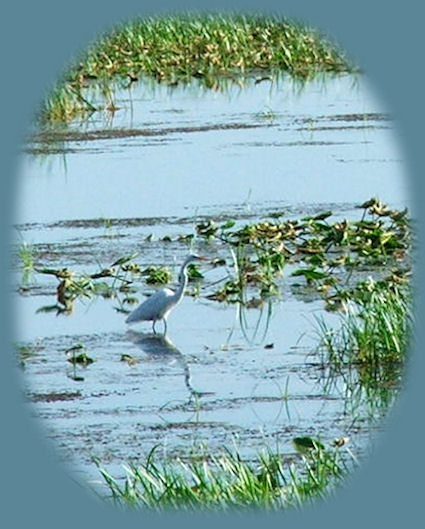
160,346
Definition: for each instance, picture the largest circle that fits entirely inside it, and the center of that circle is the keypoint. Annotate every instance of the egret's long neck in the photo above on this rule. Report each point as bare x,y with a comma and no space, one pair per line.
182,281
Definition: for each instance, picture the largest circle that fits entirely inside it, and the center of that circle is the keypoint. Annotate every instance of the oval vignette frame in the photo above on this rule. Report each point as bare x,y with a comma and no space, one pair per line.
27,459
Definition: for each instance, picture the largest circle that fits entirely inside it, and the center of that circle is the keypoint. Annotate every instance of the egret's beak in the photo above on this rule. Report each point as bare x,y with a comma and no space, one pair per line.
203,258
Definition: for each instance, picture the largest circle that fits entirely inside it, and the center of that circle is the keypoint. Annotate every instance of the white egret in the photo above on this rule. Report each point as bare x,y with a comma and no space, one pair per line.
159,305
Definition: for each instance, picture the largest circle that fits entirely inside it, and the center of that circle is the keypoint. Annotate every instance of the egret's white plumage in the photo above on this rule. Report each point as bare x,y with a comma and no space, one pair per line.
159,305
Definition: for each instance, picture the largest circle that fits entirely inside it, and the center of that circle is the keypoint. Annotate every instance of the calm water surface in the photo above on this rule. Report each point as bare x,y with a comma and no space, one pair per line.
165,160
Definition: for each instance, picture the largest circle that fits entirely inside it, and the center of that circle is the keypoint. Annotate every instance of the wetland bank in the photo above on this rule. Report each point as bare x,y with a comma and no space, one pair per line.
285,355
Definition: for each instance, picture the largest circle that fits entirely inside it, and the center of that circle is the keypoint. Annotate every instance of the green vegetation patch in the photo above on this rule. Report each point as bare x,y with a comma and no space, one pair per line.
376,327
317,256
180,47
227,481
327,256
176,49
368,349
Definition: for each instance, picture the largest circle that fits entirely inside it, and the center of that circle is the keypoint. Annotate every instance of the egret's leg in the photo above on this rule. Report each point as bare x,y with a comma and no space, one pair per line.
165,327
153,326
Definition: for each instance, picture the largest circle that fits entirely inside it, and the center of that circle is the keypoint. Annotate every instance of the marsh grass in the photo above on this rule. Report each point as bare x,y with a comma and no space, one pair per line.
227,481
369,349
176,49
64,102
374,331
180,47
368,393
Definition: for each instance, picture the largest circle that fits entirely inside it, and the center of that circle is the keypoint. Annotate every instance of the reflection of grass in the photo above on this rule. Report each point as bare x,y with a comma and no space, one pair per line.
178,48
227,481
368,392
266,115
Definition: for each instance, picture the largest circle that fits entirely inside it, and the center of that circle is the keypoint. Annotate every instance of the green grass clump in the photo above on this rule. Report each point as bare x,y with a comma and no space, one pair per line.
26,255
226,481
176,49
180,47
65,102
368,350
375,330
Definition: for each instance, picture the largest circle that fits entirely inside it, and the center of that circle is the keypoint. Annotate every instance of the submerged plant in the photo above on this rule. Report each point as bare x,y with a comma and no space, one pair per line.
24,353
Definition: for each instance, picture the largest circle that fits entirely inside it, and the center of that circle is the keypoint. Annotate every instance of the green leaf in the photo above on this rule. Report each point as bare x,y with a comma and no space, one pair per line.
227,225
193,272
304,444
82,359
310,273
124,259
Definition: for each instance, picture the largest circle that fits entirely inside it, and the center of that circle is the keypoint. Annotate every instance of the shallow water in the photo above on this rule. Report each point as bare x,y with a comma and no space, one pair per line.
166,160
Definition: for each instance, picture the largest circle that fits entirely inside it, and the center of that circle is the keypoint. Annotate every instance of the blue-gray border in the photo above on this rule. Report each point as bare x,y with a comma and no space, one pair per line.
36,40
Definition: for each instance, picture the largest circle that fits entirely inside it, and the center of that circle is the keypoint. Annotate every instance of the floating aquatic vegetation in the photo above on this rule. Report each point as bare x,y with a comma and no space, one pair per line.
230,292
328,254
326,257
193,272
131,360
157,275
82,358
306,444
72,286
78,357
